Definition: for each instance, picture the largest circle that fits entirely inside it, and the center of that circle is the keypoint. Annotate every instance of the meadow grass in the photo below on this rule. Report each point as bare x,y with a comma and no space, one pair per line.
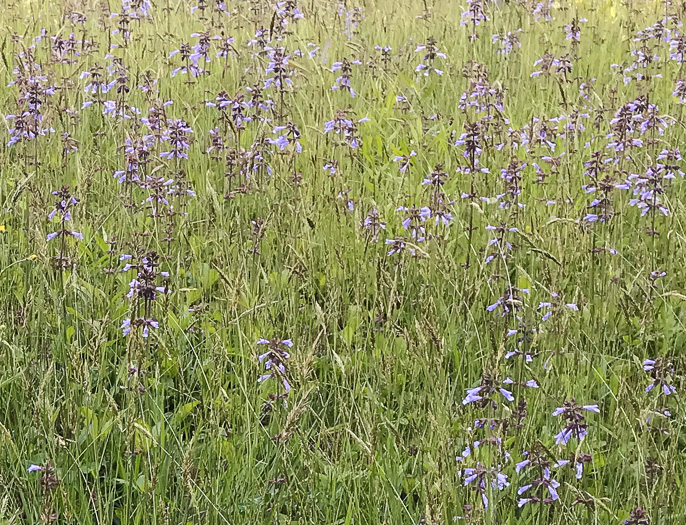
432,339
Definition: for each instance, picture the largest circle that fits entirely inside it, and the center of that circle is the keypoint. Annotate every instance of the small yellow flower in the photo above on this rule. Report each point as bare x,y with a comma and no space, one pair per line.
33,257
2,228
527,228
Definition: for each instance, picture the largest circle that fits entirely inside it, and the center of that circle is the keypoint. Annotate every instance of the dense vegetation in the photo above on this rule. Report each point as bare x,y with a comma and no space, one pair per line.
317,262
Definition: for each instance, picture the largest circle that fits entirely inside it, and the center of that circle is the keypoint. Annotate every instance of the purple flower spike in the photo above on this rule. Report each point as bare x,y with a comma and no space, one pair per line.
573,415
519,466
661,372
506,394
562,437
275,362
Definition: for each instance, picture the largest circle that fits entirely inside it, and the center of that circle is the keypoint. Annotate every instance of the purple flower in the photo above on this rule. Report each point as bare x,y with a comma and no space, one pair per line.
572,414
404,160
414,220
483,395
660,371
139,322
344,127
275,360
545,482
332,167
398,246
637,516
430,48
541,487
508,41
177,136
343,81
289,134
478,479
554,305
373,225
510,302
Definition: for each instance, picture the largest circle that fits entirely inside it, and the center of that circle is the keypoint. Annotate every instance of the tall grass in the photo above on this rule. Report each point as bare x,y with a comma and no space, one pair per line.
440,235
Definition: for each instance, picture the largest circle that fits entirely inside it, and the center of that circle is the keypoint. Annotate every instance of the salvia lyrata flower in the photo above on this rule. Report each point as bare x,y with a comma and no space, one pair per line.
342,83
345,127
65,202
660,371
404,160
507,42
275,360
189,61
510,302
479,477
575,421
484,394
430,48
288,134
177,136
552,306
143,291
576,461
373,225
542,487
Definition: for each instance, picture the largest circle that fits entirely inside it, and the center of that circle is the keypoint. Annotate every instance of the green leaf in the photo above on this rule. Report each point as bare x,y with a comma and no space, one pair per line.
183,412
102,244
348,333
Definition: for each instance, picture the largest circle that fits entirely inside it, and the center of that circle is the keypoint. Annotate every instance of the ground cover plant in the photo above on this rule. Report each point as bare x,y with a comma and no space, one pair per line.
344,263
